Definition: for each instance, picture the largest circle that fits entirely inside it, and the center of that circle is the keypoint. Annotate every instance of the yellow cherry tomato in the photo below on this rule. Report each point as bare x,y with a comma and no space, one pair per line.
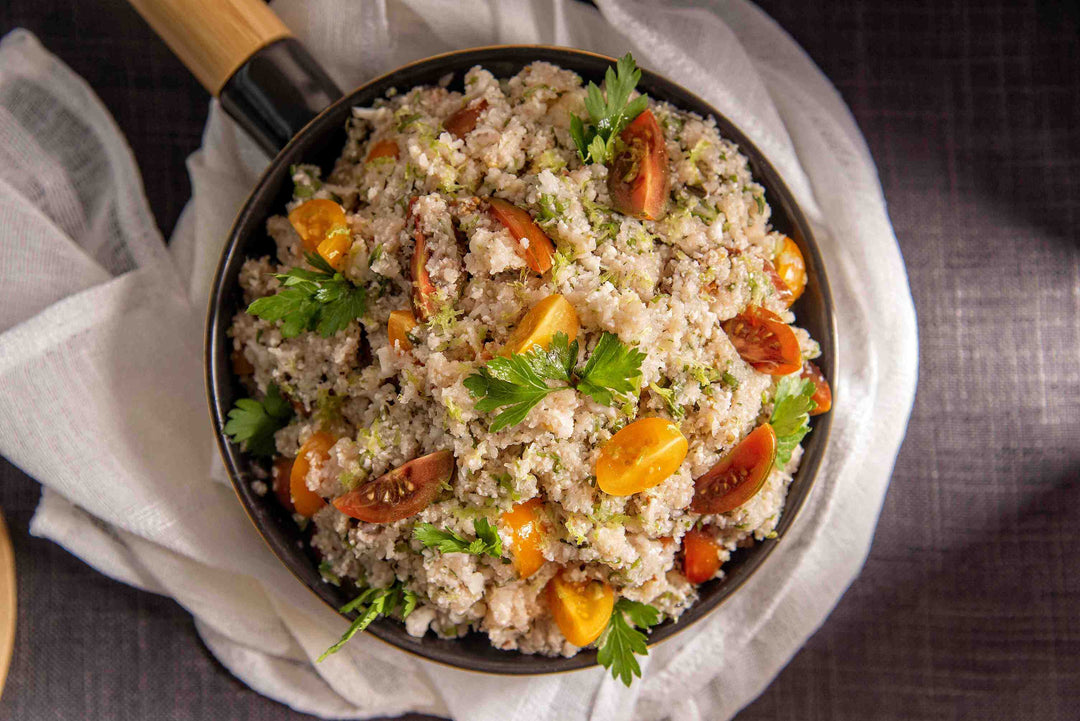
315,220
335,249
791,267
524,523
640,456
581,610
317,448
552,315
399,326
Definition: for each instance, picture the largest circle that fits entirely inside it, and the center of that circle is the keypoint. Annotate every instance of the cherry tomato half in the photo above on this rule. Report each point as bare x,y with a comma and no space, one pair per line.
552,315
791,268
524,522
581,610
764,341
315,450
638,177
640,456
738,476
314,221
403,492
701,556
423,291
464,121
822,393
385,148
538,249
782,291
398,327
282,474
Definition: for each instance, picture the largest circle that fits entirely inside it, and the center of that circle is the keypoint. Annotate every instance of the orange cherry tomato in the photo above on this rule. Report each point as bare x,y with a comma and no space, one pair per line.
701,557
464,121
524,522
403,492
423,291
281,475
399,326
539,250
638,177
316,219
581,610
385,148
552,315
791,268
822,393
738,476
315,450
335,249
764,341
640,456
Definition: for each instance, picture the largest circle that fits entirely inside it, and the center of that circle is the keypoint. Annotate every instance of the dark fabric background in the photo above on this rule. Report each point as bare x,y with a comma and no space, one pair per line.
969,605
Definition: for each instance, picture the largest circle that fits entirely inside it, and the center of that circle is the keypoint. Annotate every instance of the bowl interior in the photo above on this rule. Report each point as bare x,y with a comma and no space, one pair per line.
320,143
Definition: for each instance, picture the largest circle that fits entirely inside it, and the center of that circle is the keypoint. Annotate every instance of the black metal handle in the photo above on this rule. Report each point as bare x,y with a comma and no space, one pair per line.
278,91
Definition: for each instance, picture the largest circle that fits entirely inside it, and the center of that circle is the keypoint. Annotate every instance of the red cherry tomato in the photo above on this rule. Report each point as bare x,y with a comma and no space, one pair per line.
822,393
282,474
403,492
423,291
464,121
540,249
638,177
738,476
701,557
764,341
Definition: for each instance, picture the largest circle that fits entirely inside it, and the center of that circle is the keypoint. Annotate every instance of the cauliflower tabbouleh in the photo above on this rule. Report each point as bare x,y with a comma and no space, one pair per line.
514,390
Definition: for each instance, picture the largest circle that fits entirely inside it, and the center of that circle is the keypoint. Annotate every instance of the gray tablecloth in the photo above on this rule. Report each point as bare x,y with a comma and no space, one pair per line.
969,605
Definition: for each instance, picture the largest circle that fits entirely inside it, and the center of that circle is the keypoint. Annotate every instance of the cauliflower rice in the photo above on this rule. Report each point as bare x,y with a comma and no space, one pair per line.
665,286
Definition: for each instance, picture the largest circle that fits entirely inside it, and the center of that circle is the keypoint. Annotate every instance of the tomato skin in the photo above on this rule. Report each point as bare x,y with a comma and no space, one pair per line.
701,557
791,268
822,392
314,221
738,476
398,327
464,121
423,291
524,523
782,291
764,341
552,315
385,148
335,249
317,448
281,476
641,455
638,178
581,610
403,492
540,250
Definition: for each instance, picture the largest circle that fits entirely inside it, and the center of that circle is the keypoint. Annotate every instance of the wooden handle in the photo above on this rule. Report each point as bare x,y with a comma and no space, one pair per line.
213,37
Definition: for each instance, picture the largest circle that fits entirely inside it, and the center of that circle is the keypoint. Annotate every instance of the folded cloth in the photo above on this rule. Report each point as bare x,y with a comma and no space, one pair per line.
101,391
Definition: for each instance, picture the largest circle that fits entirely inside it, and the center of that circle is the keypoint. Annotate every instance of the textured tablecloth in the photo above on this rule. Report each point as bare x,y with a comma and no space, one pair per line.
970,601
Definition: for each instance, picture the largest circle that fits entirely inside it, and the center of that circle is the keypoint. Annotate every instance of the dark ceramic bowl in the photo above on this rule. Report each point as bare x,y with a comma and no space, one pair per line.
321,142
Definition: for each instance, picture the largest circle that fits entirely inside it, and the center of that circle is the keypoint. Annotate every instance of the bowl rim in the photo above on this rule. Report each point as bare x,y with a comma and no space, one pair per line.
217,323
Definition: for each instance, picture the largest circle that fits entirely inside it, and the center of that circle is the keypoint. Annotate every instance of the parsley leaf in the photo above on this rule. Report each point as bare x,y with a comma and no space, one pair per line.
254,423
791,414
621,640
608,115
487,539
371,604
516,384
320,300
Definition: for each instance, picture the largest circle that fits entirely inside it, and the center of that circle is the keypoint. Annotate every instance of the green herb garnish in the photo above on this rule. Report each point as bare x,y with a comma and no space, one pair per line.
609,112
516,384
791,414
487,541
371,604
254,423
621,640
320,300
668,394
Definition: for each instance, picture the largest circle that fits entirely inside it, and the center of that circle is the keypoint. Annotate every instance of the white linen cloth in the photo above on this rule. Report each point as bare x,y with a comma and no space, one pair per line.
101,382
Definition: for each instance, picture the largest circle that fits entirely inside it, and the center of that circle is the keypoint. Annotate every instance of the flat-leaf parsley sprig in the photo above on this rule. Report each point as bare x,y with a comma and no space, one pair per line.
621,640
608,115
790,418
371,604
487,540
254,423
516,384
320,300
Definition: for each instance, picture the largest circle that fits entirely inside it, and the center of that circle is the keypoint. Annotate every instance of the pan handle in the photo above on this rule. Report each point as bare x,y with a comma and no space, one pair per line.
242,53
